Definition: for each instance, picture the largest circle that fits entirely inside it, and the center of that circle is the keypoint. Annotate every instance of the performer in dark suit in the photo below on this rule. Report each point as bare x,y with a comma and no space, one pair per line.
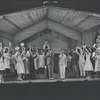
49,63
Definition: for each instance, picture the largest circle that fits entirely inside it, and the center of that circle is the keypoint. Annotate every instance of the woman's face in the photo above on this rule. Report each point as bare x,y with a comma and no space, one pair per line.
97,40
46,42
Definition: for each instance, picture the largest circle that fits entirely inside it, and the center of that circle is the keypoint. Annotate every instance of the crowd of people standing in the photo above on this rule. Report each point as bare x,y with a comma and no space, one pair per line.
25,63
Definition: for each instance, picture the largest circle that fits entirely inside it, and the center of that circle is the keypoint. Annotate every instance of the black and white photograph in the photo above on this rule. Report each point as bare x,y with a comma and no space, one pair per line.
49,50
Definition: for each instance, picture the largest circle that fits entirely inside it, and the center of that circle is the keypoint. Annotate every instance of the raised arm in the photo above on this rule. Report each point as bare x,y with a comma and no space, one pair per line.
0,46
86,50
9,47
77,50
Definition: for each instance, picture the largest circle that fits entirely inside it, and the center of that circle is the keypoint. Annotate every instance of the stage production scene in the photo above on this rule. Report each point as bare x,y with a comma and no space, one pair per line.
49,43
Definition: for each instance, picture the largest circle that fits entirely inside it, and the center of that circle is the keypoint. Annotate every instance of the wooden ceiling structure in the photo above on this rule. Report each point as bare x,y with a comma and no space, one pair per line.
68,22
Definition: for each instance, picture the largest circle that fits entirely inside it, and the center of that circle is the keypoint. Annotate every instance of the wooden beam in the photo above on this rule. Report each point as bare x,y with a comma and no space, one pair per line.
36,28
5,35
69,32
37,35
12,23
82,21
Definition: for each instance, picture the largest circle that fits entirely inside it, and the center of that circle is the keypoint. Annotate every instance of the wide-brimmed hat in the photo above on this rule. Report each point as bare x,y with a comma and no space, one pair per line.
22,44
17,48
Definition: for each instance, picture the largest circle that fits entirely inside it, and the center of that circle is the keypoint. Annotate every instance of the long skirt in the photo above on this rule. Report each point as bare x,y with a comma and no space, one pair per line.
88,65
75,71
6,63
26,66
69,70
1,66
32,68
41,62
50,70
12,68
20,68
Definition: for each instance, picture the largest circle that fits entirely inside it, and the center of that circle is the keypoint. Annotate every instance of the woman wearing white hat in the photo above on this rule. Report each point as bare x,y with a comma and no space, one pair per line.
19,65
6,58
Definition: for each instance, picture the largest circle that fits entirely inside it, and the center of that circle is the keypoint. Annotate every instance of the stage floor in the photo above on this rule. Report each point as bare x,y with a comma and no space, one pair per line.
44,89
51,81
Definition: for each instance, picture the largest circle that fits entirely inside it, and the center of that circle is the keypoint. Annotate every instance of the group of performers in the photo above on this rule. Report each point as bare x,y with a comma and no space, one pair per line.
27,62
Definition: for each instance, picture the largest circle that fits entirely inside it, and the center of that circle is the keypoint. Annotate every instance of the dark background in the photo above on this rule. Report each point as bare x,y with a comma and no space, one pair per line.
8,6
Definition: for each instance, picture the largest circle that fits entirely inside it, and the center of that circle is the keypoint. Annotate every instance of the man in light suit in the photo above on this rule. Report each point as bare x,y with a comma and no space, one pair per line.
62,64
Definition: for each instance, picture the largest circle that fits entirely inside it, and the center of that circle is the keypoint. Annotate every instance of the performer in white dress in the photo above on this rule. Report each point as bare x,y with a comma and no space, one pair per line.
97,56
41,61
6,58
1,67
81,61
62,64
6,55
88,64
19,66
97,61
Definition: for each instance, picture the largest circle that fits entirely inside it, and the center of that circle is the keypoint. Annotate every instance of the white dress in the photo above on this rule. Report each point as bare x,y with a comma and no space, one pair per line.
26,65
41,61
6,61
97,60
20,66
88,64
1,64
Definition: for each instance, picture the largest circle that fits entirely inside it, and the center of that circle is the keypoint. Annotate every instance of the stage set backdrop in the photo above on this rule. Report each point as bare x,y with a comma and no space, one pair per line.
63,28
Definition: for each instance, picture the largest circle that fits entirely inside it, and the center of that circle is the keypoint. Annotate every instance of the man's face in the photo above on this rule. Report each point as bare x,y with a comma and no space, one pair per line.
62,52
46,42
